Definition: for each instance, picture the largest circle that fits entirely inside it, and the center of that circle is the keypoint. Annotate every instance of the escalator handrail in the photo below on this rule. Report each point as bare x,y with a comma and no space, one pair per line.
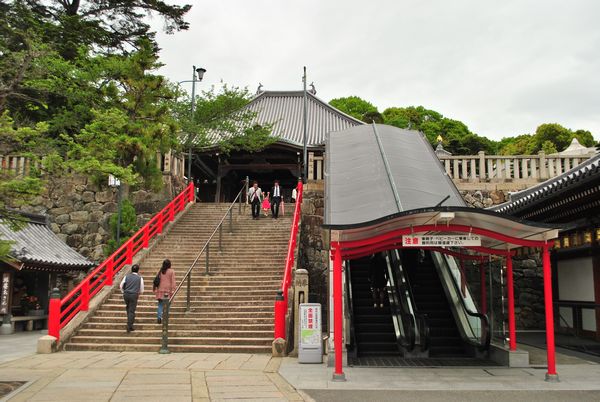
350,310
485,327
424,327
396,309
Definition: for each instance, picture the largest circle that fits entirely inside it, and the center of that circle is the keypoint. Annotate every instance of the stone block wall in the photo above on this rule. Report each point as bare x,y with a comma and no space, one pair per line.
314,246
79,210
483,198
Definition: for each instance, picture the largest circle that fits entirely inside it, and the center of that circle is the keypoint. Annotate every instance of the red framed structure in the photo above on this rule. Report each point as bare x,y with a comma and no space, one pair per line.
403,175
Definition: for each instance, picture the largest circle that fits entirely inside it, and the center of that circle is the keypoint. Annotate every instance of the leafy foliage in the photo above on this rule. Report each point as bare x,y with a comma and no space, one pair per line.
128,226
220,114
354,106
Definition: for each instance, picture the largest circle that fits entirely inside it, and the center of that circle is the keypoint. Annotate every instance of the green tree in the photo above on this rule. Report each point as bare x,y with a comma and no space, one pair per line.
553,132
128,226
353,106
372,117
221,118
103,24
585,138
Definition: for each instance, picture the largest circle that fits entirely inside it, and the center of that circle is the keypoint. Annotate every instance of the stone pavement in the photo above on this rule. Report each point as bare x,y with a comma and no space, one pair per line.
147,376
19,344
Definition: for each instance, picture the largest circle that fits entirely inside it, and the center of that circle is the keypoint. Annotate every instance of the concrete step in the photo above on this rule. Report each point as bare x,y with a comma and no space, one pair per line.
172,348
173,333
173,340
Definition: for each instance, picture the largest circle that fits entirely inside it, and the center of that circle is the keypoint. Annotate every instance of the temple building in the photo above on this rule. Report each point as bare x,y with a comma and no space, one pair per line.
220,176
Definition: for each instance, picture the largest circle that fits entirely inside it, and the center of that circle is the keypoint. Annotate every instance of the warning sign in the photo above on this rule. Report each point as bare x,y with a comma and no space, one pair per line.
441,241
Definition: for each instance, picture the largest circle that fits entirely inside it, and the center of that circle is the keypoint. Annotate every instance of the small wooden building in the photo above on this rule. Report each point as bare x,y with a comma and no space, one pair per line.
39,261
219,177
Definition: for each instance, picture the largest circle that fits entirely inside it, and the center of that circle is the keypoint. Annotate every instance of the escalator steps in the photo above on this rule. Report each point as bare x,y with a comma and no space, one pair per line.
397,361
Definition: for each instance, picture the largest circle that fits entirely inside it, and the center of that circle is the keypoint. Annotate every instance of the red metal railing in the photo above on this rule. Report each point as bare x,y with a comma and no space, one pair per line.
281,302
62,311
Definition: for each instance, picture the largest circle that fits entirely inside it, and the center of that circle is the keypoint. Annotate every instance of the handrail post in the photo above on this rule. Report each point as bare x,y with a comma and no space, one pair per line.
129,251
159,223
145,236
164,347
54,314
231,220
85,295
246,189
110,269
280,310
189,287
207,258
220,237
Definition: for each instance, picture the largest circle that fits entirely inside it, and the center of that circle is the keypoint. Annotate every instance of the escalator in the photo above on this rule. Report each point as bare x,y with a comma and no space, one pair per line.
426,319
444,337
373,326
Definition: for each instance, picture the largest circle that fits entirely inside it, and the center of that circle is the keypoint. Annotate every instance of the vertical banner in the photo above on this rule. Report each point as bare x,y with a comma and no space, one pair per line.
5,293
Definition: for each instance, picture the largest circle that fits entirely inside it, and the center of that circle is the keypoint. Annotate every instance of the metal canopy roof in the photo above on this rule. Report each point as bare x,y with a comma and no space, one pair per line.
374,171
285,110
381,179
36,244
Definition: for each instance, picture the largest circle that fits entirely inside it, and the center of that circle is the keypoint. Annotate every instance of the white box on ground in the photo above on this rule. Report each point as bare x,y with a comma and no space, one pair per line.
310,345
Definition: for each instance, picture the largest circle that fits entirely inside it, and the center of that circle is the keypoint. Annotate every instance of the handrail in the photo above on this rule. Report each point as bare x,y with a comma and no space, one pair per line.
353,349
404,323
281,302
207,244
62,311
484,343
188,275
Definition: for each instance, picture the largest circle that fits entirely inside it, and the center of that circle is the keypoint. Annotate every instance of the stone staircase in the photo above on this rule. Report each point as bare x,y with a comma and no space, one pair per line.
231,310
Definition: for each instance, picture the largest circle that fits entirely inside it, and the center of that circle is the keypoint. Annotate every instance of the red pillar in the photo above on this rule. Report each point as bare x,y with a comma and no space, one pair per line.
512,333
338,374
551,375
483,288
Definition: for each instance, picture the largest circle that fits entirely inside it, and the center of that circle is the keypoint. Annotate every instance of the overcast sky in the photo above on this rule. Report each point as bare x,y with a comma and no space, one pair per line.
501,67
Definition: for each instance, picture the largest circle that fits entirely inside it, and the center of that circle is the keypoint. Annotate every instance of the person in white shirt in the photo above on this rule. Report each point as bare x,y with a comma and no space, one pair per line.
255,198
275,199
132,287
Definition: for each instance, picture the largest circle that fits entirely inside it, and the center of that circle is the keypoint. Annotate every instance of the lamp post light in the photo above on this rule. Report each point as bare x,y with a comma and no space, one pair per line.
199,73
115,182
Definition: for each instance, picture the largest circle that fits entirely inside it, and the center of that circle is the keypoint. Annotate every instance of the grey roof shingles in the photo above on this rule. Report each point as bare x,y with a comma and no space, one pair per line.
588,170
36,244
358,188
284,109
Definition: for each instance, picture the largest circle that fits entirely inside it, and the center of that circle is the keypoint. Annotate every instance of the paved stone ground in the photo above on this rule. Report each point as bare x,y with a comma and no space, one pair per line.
112,376
19,344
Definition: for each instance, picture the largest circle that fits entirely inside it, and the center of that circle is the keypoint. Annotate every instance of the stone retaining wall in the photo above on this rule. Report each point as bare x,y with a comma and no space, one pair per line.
79,210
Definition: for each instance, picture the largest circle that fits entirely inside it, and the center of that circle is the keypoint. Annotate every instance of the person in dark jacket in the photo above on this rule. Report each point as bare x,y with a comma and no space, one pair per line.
132,287
378,278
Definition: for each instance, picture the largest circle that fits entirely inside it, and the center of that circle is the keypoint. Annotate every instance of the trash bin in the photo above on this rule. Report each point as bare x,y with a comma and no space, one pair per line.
310,345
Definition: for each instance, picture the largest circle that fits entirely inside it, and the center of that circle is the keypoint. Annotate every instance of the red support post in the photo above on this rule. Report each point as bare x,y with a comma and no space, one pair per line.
512,332
159,222
171,207
483,288
191,192
84,305
338,374
109,272
129,251
145,236
551,375
54,315
280,309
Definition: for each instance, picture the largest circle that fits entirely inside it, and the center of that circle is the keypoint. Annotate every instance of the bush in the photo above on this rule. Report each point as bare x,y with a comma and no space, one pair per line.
128,226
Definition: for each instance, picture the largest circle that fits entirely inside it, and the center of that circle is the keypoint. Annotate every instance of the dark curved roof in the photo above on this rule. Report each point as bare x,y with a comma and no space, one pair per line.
285,110
579,175
35,244
373,171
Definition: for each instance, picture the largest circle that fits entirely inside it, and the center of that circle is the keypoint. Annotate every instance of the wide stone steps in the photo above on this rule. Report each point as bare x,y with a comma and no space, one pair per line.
231,310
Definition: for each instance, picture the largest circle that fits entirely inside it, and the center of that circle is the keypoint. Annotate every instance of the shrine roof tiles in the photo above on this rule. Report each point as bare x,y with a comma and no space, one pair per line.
284,109
579,175
35,243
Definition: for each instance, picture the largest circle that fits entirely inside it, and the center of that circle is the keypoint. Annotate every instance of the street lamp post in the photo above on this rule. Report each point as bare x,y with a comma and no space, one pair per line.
115,182
199,72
